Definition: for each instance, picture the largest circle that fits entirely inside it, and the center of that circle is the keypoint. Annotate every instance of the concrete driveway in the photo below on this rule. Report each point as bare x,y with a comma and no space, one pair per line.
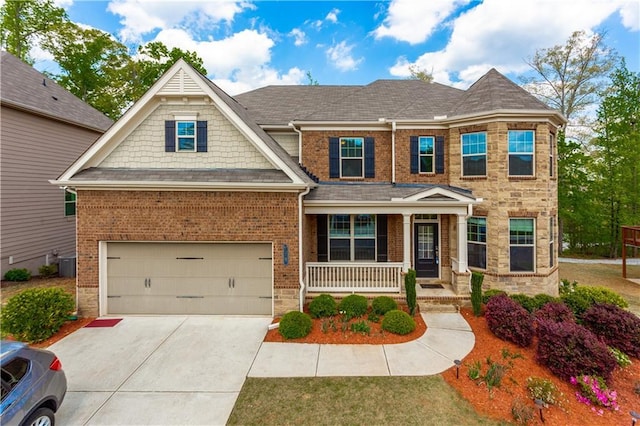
158,370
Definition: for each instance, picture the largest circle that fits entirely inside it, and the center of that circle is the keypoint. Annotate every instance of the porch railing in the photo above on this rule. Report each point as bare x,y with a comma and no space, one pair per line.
354,277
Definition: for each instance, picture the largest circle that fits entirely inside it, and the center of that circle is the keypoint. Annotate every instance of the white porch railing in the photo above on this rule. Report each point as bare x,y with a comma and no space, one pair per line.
354,277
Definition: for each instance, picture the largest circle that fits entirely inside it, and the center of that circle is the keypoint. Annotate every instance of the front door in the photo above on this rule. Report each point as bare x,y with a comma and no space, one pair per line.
426,250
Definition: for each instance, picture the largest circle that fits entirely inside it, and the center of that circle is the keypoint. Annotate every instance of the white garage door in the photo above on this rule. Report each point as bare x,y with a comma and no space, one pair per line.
189,278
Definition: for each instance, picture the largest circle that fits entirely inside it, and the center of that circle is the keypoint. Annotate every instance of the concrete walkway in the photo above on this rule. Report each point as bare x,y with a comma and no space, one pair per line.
448,337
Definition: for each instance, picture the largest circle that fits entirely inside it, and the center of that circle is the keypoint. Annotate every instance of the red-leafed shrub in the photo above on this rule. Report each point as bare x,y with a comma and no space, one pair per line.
569,350
509,321
554,312
618,328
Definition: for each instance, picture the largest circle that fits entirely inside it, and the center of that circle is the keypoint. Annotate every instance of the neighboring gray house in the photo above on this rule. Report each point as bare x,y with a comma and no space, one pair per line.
43,129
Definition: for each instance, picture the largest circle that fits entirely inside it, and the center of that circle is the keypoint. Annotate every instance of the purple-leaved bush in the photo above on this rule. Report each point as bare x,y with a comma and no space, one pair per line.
619,328
509,321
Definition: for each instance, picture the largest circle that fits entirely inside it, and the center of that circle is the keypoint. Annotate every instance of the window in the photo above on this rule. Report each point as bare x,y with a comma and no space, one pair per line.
474,154
351,157
12,373
425,153
477,242
552,148
521,245
521,148
552,230
186,135
352,237
69,203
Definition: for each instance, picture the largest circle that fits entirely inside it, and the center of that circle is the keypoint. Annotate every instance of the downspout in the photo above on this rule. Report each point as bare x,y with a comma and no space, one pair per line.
293,126
393,152
300,257
74,315
469,214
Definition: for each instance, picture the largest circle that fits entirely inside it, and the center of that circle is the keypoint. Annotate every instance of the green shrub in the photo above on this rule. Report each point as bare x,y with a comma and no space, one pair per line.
383,304
373,317
584,297
398,322
566,287
622,359
361,327
524,301
353,306
323,306
47,271
36,314
544,390
410,290
294,325
490,293
17,274
476,292
539,300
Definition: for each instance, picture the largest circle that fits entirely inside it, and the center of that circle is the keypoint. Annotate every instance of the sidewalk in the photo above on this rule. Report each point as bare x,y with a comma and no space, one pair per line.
448,337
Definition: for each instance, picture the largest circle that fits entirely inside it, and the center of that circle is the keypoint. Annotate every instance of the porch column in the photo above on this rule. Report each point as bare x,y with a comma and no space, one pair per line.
406,242
462,243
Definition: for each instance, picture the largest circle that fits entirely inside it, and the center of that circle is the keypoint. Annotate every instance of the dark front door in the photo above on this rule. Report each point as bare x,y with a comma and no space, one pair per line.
426,250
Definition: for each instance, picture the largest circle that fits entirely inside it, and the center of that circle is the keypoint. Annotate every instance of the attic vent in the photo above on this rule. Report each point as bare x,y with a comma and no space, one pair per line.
181,83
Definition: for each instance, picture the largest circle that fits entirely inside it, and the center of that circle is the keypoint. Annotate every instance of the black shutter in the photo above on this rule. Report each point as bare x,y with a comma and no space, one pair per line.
413,140
201,134
439,155
322,233
334,157
381,231
169,136
369,158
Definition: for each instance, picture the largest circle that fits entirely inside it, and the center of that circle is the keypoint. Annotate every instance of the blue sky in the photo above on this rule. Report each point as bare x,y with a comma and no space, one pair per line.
249,44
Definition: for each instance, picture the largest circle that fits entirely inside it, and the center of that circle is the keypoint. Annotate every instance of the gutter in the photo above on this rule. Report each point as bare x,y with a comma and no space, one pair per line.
295,129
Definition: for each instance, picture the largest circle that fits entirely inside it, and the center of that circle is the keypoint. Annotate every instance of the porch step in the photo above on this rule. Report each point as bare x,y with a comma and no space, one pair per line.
438,307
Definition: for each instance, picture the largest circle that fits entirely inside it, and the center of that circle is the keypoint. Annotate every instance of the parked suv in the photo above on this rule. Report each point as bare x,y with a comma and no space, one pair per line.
33,385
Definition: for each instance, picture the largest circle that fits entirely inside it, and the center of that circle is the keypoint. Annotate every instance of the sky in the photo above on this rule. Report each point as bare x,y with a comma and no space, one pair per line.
251,44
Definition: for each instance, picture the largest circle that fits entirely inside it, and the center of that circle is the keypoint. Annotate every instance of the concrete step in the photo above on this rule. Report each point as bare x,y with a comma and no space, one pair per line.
437,307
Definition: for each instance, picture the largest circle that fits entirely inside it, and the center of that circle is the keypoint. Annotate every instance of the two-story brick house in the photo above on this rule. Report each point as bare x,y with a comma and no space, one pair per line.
197,202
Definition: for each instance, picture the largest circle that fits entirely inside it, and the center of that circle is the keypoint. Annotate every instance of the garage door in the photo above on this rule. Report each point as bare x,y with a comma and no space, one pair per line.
177,278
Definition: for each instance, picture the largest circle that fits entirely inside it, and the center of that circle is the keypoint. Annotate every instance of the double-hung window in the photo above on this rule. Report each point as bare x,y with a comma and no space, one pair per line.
521,152
69,203
477,242
351,157
425,153
352,237
521,245
474,154
186,135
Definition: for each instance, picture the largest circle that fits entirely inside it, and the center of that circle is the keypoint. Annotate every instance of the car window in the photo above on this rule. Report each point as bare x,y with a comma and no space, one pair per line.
12,373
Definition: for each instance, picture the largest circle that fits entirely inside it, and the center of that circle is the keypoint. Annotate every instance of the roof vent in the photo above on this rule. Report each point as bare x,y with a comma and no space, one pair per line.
44,82
439,117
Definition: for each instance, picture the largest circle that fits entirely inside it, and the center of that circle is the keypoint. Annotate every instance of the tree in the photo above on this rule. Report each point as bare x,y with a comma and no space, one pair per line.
418,73
311,81
22,22
570,78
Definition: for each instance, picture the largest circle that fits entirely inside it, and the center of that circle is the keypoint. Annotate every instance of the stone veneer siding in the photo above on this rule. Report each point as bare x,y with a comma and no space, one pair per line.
226,146
165,216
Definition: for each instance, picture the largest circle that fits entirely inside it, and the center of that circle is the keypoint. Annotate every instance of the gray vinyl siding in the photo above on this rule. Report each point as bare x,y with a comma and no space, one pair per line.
34,150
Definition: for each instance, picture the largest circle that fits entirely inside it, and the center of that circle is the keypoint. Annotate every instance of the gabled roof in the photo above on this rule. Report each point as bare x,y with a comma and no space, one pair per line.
23,87
493,92
182,78
402,100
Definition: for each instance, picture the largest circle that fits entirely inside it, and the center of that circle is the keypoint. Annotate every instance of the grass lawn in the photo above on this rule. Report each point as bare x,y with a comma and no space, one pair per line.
352,401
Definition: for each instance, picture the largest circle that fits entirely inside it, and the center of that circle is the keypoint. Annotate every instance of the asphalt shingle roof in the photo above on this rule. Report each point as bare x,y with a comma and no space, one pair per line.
343,191
22,86
181,175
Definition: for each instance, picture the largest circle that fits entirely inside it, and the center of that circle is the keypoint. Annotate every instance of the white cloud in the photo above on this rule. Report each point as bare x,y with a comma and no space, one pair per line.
414,21
140,17
332,16
630,14
503,34
300,38
249,79
340,56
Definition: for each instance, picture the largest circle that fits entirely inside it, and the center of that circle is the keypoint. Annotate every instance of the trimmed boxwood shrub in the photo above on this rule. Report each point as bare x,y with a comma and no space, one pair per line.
524,300
353,306
618,328
490,293
323,306
410,290
398,322
509,321
17,274
539,300
554,312
582,298
476,292
295,324
569,350
36,314
383,304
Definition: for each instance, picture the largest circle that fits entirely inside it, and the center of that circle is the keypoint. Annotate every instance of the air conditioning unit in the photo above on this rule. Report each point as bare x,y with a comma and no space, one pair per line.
67,266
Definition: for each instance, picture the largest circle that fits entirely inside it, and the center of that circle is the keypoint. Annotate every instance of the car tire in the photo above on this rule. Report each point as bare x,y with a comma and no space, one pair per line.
43,416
